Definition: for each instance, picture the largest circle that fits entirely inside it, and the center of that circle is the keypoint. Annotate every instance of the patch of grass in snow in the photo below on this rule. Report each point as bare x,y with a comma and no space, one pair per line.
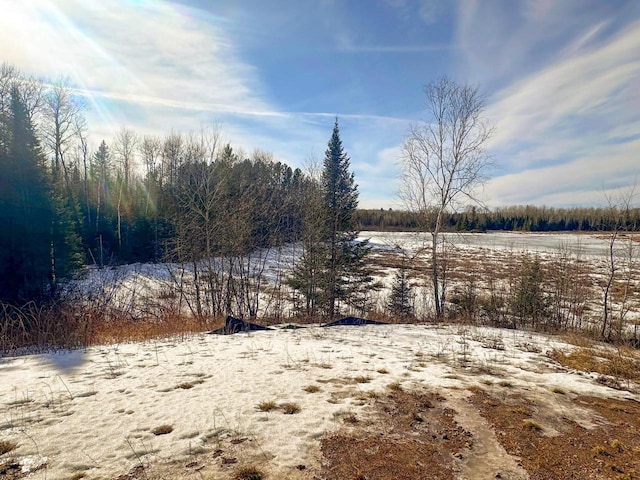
621,363
162,430
7,446
290,408
188,385
395,387
267,406
248,473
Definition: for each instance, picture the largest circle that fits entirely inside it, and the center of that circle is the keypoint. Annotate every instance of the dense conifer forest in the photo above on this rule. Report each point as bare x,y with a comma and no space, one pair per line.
522,218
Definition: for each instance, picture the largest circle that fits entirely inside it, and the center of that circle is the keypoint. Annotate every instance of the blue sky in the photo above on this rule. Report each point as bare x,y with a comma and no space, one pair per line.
562,79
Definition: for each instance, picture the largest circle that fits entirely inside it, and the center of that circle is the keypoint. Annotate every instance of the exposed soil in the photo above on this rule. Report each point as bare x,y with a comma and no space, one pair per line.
413,436
560,447
488,434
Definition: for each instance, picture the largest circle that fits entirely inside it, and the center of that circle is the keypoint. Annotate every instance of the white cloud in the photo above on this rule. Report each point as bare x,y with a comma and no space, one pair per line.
580,181
567,107
580,86
139,52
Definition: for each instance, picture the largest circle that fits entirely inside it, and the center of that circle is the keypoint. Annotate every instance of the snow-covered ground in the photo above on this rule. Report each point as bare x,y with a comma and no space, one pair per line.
587,245
93,411
150,290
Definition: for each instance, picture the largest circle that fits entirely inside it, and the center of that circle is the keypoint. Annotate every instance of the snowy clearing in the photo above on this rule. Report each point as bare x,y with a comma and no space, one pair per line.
92,413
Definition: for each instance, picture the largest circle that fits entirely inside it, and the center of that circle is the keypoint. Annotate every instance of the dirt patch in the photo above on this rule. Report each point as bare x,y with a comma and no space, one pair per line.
566,449
410,436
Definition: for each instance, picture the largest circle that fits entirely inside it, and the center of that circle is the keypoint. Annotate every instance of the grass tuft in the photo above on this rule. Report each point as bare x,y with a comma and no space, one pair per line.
189,385
267,406
248,473
531,425
395,387
362,379
7,446
618,446
290,408
600,450
162,430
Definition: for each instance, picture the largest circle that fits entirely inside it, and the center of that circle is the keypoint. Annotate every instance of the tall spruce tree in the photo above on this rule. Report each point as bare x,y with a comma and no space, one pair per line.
400,301
340,203
26,211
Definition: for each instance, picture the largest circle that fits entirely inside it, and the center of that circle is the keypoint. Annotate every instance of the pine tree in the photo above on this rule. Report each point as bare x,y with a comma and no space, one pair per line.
340,202
26,211
401,297
309,271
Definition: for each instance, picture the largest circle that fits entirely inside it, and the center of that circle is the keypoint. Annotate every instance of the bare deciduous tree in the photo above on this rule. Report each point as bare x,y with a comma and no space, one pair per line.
63,119
621,260
443,161
124,146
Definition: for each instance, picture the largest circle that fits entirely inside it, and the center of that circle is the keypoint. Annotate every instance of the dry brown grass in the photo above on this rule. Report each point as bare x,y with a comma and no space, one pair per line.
189,385
249,473
7,446
531,425
266,406
138,330
622,363
414,436
162,430
362,379
395,387
290,408
574,452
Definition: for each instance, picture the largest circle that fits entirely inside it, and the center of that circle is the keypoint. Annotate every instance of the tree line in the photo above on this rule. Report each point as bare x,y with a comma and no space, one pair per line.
523,218
180,197
185,198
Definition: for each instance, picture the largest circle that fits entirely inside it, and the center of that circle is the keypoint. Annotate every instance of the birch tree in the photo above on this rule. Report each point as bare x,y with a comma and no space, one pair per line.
443,161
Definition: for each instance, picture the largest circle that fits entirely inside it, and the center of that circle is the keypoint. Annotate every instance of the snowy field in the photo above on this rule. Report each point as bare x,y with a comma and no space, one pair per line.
587,245
144,290
92,413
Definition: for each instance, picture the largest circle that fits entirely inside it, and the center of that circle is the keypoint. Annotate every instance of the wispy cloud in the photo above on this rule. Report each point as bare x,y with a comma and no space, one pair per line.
580,181
595,84
567,113
144,51
354,48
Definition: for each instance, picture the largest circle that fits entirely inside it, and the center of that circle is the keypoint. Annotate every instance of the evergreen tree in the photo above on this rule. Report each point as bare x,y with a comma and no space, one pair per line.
26,211
340,203
401,297
308,272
